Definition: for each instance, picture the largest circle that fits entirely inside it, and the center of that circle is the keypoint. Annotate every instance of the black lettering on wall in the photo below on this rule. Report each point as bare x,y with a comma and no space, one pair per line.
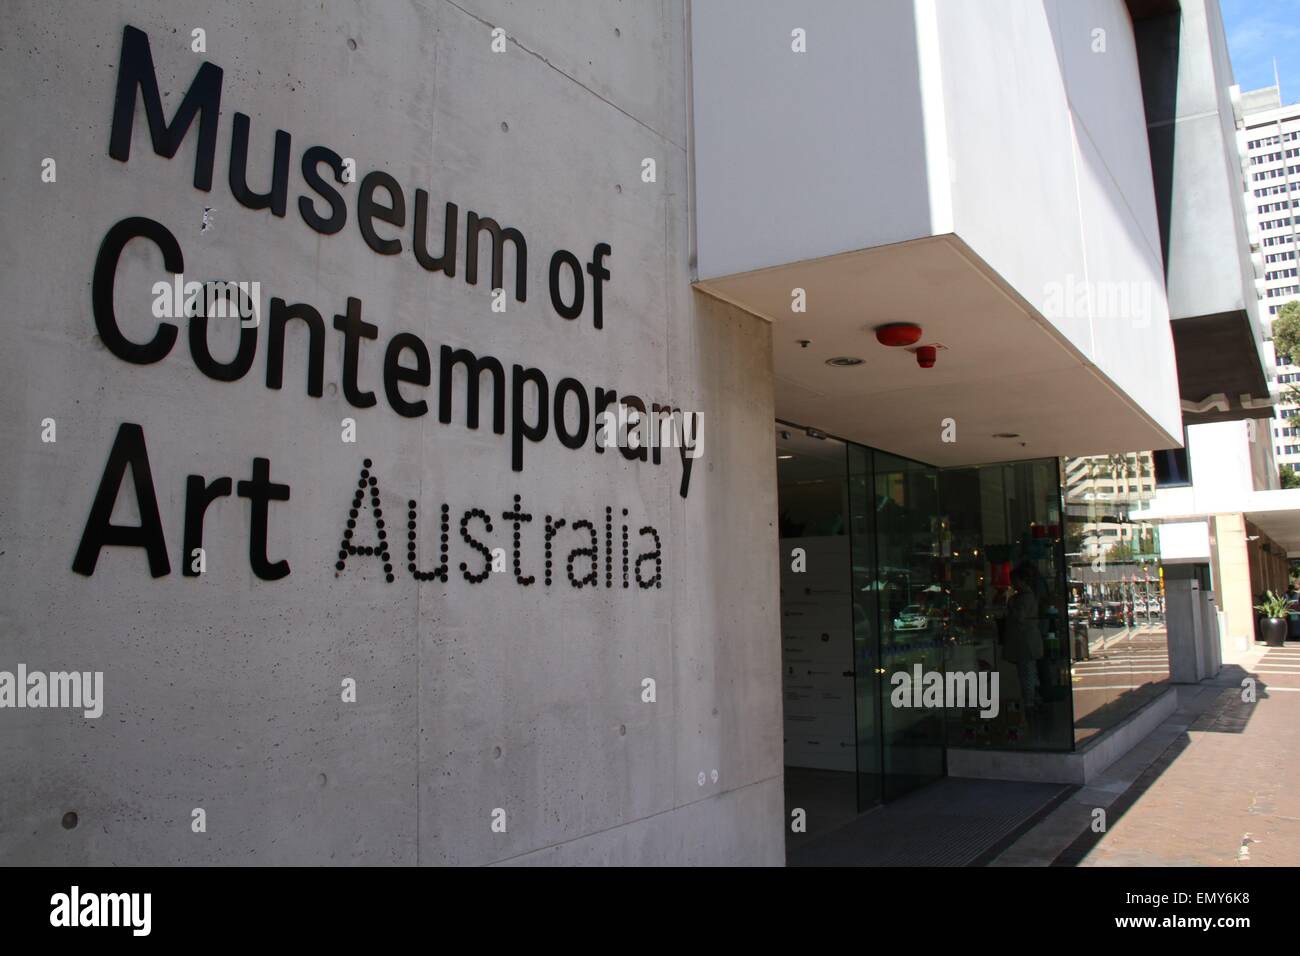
447,261
395,372
280,317
687,464
577,438
625,554
105,280
473,226
519,428
590,552
367,482
474,369
237,367
661,416
128,450
477,545
198,495
312,157
518,517
368,209
276,198
260,492
633,428
354,329
440,573
609,547
135,69
552,526
604,399
598,274
656,556
573,309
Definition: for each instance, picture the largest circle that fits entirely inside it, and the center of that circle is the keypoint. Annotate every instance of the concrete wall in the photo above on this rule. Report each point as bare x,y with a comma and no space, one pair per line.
223,692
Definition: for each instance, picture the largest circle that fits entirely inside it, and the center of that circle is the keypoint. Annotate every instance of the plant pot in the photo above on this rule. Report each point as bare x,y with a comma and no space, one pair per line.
1273,631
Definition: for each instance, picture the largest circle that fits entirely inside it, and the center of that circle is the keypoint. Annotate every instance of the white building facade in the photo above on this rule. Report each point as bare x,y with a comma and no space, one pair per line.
376,590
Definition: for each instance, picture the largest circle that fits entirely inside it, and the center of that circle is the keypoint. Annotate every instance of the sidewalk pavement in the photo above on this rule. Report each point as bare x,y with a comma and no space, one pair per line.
1217,784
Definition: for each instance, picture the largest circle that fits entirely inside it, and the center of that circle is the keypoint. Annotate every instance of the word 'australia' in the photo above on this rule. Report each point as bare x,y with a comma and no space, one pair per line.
576,541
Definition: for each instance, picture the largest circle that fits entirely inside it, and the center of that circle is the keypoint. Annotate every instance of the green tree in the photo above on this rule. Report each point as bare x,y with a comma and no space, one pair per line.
1286,345
1289,477
1286,331
1119,553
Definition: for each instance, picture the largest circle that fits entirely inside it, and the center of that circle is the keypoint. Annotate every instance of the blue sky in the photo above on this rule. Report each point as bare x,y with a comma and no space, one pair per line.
1258,31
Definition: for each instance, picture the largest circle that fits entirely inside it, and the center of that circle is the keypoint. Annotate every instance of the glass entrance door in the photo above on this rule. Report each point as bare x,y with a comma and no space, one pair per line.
906,573
817,631
912,609
862,599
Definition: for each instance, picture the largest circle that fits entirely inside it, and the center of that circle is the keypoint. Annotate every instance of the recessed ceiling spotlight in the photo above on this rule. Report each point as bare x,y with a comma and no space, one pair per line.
844,361
784,457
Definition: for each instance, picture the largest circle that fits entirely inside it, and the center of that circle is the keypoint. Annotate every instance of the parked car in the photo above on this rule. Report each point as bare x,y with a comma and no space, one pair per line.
911,618
1110,614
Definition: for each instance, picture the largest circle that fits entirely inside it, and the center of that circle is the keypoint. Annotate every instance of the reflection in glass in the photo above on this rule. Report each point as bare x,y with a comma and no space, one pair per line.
906,570
1006,575
912,611
1116,588
866,647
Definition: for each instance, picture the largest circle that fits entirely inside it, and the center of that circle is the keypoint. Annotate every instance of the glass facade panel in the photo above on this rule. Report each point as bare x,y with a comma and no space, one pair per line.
817,631
913,610
1004,569
1116,588
896,576
866,625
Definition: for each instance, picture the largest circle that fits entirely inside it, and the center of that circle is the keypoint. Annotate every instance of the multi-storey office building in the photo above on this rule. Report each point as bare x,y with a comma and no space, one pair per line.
1269,138
379,591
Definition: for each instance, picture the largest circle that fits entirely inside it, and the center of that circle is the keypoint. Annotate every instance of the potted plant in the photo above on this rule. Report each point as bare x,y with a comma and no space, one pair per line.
1274,625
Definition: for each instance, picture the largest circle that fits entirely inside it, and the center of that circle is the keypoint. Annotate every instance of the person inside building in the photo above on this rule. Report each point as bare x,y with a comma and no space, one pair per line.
1022,640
